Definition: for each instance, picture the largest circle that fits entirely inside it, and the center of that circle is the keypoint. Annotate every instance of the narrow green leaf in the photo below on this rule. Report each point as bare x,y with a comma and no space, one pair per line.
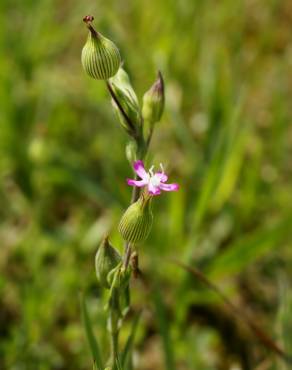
230,171
250,248
164,330
94,347
238,312
130,341
118,365
284,318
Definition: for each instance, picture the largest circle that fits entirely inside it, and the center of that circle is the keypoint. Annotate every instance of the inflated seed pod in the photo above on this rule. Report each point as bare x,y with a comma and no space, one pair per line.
106,259
136,222
100,57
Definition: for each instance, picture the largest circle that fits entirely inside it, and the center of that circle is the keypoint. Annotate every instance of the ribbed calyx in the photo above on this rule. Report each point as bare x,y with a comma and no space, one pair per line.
100,57
136,222
107,258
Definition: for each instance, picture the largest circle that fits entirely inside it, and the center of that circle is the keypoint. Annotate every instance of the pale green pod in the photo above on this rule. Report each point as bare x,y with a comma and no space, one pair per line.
136,222
107,258
100,57
128,100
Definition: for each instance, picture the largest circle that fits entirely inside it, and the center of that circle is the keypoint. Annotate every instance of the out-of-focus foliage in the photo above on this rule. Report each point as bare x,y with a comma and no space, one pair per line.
226,137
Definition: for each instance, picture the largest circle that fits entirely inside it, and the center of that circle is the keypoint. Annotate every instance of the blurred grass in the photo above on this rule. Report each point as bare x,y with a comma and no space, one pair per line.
226,137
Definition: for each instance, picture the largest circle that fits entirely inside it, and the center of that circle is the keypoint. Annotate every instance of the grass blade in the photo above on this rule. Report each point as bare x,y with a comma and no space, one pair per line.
118,365
249,249
95,351
239,313
130,341
164,330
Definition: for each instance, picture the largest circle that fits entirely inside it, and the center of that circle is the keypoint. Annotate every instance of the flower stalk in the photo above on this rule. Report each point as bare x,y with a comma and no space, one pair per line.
101,61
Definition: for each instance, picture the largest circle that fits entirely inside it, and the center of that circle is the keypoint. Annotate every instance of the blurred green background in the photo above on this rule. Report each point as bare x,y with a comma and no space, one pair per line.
226,137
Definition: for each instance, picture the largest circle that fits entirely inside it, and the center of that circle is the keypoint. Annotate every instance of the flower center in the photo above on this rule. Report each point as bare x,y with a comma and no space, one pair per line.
155,180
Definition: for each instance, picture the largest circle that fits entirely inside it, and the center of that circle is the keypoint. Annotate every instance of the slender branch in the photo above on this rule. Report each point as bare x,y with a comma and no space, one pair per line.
263,337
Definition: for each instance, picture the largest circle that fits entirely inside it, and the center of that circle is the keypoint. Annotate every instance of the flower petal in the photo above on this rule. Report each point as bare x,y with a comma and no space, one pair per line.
154,190
138,183
169,187
140,169
162,176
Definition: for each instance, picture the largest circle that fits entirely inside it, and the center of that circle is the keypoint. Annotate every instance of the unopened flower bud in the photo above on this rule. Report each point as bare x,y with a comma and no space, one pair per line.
136,222
127,98
106,259
153,101
100,57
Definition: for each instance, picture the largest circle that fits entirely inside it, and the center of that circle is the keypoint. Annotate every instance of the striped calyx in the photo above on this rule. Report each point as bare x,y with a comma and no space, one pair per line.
136,222
107,259
100,57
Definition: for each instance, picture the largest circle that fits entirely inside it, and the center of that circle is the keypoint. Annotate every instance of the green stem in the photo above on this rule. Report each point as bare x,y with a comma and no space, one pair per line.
113,325
114,346
127,256
149,137
142,151
143,147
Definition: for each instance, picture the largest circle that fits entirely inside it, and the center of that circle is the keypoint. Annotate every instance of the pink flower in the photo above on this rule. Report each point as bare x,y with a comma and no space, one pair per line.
155,182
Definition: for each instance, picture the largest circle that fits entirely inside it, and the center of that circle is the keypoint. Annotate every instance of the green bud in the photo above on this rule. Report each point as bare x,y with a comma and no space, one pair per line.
153,101
136,222
100,57
128,101
106,259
